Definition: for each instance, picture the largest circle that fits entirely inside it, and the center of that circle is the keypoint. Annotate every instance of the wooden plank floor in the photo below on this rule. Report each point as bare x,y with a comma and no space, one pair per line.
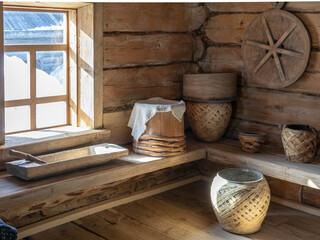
182,213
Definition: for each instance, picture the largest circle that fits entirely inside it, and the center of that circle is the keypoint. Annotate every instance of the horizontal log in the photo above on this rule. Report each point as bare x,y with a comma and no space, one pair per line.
302,6
311,21
124,95
123,50
240,7
145,17
126,86
228,28
275,107
117,122
273,133
310,196
222,59
148,76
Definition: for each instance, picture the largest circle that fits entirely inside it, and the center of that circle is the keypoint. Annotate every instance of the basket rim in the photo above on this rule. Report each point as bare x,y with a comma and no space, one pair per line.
259,175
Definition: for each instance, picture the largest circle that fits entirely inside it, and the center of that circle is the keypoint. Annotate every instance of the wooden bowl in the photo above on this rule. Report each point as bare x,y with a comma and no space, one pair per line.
252,141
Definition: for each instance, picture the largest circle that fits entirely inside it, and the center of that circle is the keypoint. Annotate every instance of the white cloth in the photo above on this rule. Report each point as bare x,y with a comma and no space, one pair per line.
144,110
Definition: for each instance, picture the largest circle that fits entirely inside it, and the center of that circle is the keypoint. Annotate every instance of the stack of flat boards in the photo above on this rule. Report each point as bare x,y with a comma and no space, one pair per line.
159,146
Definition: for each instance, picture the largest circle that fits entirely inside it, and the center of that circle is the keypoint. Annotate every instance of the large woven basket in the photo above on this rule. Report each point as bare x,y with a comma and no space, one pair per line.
299,142
240,199
208,121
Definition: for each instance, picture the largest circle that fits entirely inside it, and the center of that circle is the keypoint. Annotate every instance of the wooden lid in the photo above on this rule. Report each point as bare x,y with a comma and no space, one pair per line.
210,87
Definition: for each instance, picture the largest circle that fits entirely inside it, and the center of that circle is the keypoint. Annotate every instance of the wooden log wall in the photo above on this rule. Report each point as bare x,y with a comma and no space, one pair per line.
259,108
147,48
31,212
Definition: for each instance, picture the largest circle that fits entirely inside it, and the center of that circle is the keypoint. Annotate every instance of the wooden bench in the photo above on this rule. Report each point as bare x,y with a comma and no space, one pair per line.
15,192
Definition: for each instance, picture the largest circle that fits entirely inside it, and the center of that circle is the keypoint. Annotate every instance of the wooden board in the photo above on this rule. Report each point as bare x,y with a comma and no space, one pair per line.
124,50
269,164
153,17
276,48
66,161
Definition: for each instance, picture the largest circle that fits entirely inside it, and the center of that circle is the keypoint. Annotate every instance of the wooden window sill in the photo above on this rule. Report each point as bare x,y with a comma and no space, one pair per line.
51,140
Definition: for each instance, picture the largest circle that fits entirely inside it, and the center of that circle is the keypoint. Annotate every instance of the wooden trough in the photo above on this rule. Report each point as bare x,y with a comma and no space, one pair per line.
66,161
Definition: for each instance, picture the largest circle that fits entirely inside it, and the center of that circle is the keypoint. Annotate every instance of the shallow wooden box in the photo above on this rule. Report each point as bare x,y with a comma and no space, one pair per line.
66,161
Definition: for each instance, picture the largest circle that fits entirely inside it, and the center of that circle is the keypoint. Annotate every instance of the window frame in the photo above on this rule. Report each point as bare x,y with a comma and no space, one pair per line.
33,100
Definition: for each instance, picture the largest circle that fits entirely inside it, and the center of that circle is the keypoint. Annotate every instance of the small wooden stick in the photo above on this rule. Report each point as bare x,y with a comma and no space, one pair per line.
26,156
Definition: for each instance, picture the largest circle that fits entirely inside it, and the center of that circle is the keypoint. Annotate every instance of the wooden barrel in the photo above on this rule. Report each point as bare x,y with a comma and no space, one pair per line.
211,87
164,136
165,124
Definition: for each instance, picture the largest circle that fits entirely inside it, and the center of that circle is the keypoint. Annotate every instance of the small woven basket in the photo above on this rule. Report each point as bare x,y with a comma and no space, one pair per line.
240,199
299,142
208,121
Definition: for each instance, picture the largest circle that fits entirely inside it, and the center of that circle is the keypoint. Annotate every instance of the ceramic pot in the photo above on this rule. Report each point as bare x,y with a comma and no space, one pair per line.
240,199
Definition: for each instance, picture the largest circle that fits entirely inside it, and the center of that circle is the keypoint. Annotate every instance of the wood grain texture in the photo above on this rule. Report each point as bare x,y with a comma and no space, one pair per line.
302,6
26,214
310,196
148,17
2,116
228,28
122,50
126,86
189,210
277,108
240,7
222,59
311,21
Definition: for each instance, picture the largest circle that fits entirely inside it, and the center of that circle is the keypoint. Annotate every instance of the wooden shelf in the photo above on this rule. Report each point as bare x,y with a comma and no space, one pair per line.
270,162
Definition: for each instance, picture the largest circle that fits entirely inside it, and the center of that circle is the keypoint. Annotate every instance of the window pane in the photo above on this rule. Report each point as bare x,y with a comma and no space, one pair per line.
27,28
17,118
16,75
51,73
51,114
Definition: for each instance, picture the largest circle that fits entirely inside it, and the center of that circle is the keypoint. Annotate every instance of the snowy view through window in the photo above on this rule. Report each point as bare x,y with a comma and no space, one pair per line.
30,29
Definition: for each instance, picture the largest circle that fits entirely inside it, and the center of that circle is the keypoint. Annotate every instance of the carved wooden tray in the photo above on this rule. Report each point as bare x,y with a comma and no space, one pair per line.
276,48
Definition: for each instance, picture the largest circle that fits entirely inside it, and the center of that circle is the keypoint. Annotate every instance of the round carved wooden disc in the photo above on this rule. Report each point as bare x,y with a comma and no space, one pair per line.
276,48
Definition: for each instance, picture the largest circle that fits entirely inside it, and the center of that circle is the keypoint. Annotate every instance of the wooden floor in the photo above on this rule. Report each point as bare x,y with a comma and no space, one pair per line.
183,213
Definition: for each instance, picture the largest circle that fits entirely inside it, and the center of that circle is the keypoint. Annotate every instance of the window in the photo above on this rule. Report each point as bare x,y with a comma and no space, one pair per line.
35,69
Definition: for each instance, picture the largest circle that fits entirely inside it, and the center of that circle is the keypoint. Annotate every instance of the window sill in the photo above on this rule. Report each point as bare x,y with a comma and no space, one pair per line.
50,140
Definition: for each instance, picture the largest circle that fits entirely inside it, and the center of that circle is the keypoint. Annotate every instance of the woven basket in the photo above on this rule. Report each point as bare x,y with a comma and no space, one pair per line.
240,200
208,121
299,142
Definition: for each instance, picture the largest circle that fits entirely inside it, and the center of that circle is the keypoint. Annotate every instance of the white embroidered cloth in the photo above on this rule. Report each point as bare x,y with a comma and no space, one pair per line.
144,110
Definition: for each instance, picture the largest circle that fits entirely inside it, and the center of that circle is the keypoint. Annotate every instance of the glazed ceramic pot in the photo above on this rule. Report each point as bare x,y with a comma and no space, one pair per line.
240,199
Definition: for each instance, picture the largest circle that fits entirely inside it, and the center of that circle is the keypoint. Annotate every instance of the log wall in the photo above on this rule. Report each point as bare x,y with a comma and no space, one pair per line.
259,108
147,48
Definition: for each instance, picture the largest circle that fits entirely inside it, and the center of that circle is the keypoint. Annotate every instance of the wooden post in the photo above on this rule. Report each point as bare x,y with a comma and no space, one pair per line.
2,118
90,66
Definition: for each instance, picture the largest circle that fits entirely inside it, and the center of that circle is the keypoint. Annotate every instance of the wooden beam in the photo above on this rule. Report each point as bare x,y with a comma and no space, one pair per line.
98,207
98,64
271,164
2,117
